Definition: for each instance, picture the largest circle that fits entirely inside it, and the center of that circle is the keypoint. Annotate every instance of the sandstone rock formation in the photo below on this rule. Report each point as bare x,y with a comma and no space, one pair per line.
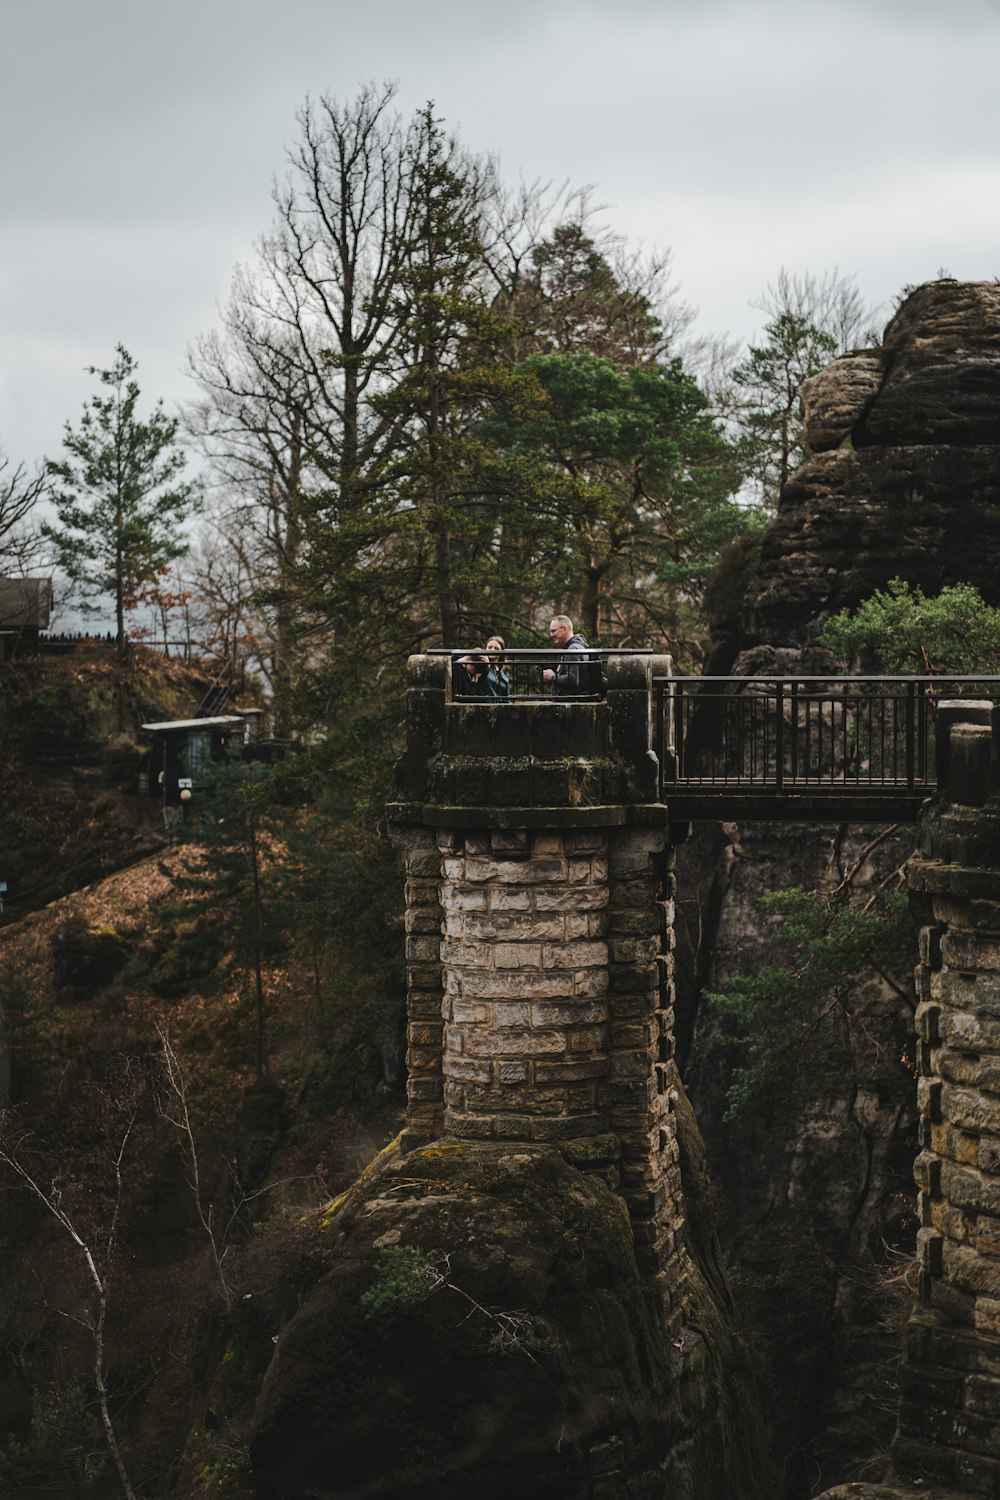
485,1330
834,401
916,496
942,356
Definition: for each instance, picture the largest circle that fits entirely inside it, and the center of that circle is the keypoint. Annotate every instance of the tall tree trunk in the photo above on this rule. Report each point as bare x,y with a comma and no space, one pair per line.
260,1055
287,526
591,602
447,612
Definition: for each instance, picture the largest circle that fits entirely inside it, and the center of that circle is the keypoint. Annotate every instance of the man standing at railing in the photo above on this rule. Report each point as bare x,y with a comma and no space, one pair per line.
571,678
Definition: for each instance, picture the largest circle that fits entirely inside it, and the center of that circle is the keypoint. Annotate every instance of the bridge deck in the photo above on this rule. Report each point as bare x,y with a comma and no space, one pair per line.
785,747
691,803
820,749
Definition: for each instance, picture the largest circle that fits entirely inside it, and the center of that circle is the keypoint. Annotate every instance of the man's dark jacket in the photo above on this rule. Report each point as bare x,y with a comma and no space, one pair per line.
574,670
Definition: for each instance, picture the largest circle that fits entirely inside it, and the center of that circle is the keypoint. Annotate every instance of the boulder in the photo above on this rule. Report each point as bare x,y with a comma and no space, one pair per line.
942,382
836,399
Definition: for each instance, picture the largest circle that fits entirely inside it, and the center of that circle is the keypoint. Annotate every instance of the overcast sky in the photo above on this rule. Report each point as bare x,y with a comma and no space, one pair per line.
140,141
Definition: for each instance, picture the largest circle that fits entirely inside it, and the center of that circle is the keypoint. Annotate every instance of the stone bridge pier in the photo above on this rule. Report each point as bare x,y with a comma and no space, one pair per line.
949,1422
539,917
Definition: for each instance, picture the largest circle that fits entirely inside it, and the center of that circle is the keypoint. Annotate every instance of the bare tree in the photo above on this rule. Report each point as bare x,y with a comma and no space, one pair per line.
252,429
306,331
810,320
222,574
831,302
172,1104
307,335
20,492
97,1249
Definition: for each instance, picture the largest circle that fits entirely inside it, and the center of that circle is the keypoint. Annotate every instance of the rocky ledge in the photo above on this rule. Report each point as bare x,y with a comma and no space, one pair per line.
484,1329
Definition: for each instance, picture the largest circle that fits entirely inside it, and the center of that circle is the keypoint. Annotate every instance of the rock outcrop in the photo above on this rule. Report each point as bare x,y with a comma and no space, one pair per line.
916,494
836,399
942,370
485,1329
851,520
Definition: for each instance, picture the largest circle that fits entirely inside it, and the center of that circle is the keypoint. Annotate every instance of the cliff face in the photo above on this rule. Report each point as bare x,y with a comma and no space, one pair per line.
905,481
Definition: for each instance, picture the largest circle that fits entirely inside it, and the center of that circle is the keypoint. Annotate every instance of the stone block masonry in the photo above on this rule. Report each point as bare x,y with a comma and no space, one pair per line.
539,944
540,1001
424,989
949,1415
526,990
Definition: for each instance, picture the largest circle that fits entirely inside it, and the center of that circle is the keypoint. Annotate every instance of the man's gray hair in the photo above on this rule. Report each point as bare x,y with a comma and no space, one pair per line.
562,620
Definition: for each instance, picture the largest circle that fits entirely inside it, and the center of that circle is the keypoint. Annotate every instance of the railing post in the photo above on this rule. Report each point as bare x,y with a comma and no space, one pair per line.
779,736
795,731
660,744
910,736
679,730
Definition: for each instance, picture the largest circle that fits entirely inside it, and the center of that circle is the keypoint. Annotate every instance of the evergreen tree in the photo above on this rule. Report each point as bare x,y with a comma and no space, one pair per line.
809,320
575,301
446,544
768,382
903,630
237,862
119,496
640,478
800,1028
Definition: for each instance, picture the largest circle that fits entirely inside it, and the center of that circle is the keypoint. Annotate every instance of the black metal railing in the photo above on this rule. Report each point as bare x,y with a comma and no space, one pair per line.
805,738
519,676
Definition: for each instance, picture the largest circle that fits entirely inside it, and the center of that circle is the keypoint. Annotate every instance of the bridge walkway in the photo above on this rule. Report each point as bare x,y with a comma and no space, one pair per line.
784,747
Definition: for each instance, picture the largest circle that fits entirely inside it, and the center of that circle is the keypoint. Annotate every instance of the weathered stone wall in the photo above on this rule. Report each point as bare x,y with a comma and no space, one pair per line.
949,1421
540,979
525,961
424,991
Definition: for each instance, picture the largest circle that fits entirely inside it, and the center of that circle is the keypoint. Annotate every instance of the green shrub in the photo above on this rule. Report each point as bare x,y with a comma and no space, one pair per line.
798,1030
63,1451
404,1276
85,958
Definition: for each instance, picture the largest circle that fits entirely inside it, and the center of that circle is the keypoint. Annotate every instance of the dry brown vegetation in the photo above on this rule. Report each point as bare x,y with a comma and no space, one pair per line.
89,988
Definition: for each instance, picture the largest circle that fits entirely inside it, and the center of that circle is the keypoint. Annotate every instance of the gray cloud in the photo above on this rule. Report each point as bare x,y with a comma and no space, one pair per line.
141,140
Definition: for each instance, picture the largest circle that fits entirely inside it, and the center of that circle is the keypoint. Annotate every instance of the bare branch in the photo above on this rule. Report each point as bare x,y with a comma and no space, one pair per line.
172,1103
13,1154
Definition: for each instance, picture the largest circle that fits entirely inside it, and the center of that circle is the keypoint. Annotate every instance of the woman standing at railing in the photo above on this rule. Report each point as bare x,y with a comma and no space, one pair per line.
477,679
495,647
